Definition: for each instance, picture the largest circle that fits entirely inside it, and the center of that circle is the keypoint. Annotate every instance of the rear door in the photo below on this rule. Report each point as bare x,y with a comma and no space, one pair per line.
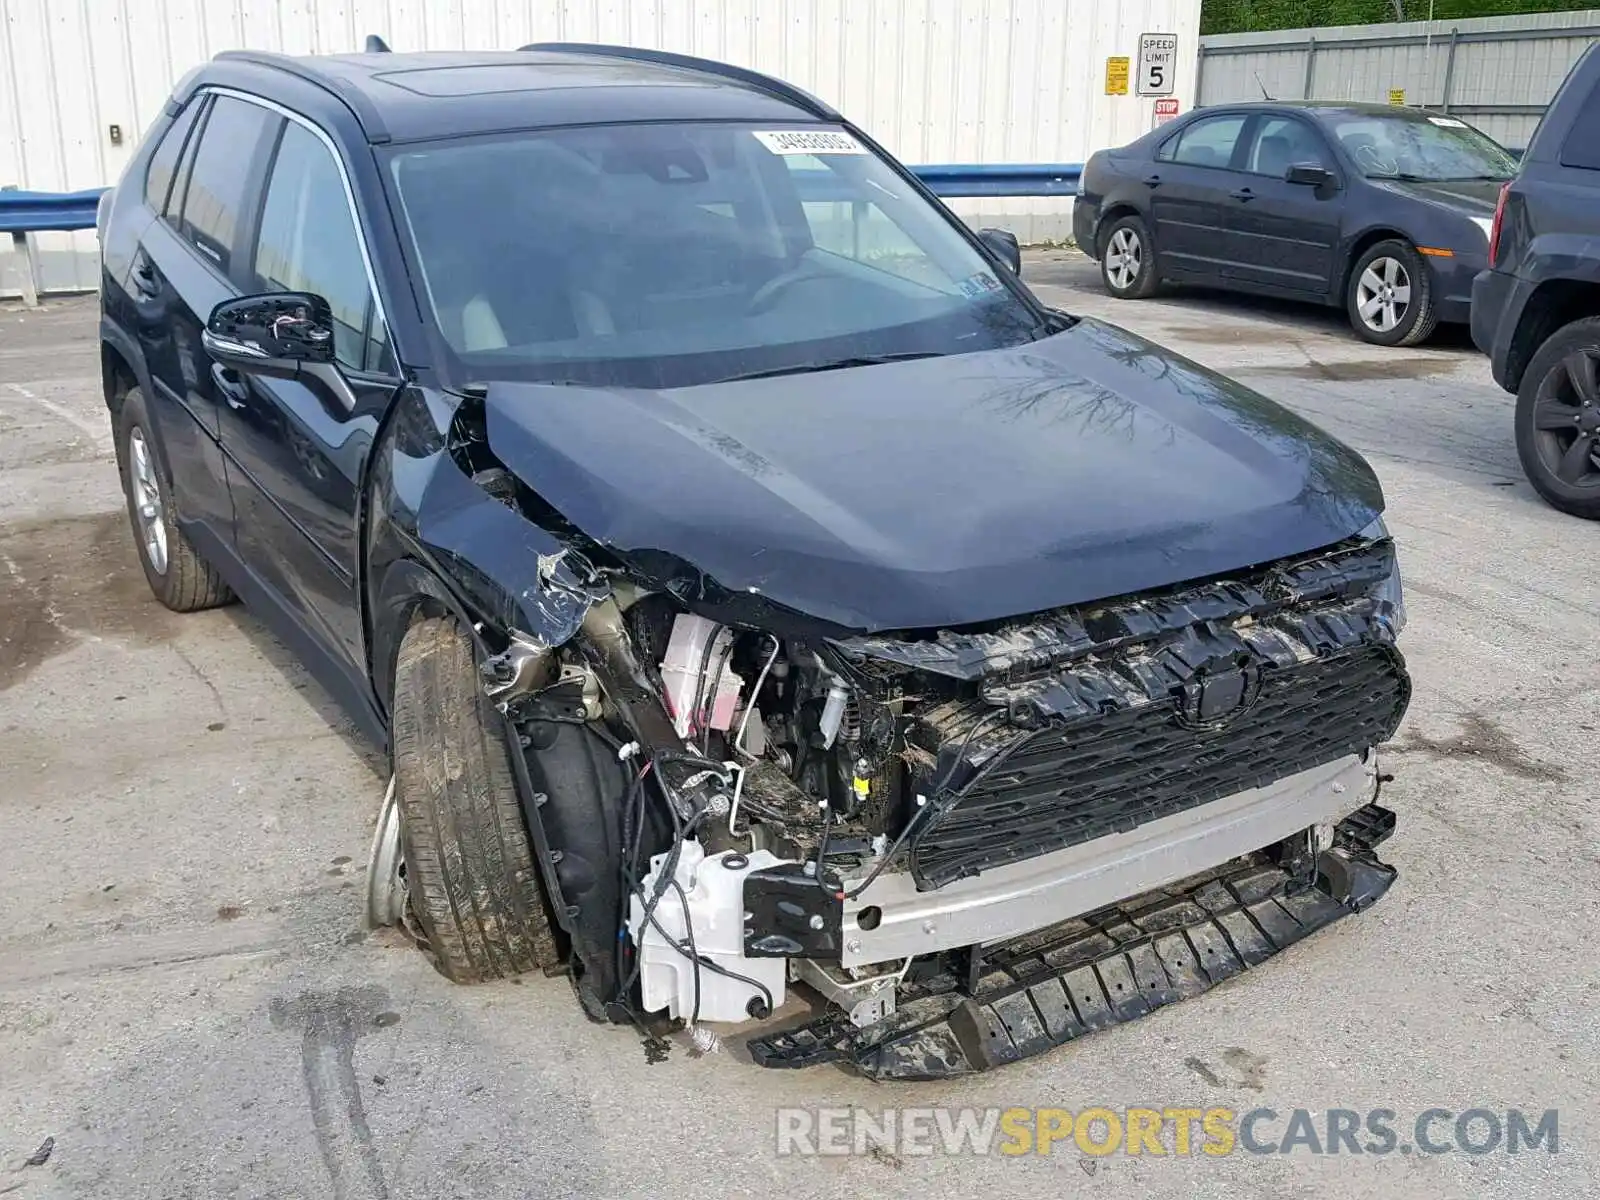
197,181
297,448
1190,184
1286,234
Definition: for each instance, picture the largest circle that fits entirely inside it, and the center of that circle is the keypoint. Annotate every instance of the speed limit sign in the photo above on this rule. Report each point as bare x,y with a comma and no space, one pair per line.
1158,63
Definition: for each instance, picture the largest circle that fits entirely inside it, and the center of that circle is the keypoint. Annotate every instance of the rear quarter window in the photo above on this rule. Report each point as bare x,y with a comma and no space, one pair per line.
1582,145
164,160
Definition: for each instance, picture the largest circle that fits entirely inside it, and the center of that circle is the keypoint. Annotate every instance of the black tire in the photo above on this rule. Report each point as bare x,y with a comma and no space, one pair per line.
1394,306
176,573
469,866
1558,419
1125,277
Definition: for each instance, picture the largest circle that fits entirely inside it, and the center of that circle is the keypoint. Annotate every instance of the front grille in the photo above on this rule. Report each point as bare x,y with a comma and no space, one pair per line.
1075,782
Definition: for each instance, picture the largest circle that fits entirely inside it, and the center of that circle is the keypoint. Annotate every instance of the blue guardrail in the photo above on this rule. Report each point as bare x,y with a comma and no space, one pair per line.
39,212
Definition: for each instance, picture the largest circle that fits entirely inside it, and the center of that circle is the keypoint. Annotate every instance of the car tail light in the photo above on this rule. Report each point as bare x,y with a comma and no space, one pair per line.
1499,218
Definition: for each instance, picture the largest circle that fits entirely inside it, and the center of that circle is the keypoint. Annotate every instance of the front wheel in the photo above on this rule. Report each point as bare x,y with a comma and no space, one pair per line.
1558,419
1390,297
1128,262
453,847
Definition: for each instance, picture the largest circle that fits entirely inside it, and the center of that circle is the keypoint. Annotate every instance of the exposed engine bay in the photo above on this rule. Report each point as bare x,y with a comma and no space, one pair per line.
881,817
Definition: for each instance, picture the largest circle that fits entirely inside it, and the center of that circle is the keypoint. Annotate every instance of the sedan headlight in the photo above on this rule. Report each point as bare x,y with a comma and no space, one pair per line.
1391,602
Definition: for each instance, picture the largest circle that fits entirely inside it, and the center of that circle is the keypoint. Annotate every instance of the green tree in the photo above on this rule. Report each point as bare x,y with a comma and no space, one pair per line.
1245,16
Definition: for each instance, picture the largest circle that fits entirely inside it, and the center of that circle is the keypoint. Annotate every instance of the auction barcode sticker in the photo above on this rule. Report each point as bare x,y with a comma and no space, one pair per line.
808,141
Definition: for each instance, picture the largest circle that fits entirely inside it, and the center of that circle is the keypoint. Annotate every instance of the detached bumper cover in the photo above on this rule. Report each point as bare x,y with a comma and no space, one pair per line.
1055,985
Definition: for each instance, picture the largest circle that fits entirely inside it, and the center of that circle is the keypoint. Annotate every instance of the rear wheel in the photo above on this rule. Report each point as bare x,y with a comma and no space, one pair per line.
1390,297
1128,262
176,573
464,869
1558,419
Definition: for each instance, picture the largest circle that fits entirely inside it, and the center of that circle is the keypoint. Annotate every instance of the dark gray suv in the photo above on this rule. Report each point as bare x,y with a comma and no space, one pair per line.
1536,310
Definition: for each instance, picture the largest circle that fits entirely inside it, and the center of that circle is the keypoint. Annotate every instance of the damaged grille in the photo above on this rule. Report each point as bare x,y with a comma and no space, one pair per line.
1095,720
1073,783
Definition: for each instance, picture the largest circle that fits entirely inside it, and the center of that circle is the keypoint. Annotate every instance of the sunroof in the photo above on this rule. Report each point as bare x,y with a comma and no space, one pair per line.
492,78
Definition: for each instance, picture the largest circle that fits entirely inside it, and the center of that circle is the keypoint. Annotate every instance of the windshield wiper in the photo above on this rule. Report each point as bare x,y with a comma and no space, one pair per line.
836,364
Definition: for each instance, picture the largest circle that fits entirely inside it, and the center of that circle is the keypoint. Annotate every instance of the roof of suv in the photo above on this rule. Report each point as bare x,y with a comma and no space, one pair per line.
408,97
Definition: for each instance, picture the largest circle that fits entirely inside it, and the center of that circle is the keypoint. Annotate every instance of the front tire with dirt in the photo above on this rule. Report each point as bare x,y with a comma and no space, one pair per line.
473,885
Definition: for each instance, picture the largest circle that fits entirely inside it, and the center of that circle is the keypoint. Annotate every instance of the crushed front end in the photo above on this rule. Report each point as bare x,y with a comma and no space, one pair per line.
975,844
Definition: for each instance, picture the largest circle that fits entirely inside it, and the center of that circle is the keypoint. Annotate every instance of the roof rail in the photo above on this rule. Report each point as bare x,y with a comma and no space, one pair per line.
710,66
364,111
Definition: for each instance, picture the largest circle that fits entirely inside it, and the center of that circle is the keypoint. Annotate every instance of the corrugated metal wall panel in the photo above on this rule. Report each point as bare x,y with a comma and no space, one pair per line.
934,80
1523,70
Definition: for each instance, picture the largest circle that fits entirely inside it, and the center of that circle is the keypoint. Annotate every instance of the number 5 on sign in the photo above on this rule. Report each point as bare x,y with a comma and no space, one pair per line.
1158,63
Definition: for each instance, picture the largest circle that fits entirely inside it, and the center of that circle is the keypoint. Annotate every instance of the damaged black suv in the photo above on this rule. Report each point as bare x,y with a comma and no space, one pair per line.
754,586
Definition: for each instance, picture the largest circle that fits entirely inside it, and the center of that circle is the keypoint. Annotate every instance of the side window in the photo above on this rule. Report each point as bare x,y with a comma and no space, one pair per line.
1208,142
164,162
1582,145
309,243
1282,142
219,179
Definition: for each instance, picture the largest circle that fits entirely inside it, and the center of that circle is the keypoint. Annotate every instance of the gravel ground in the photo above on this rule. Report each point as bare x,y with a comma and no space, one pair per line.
189,1006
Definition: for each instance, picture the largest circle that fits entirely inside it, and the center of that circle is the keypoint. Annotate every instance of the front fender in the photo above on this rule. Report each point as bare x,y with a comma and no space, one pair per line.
438,541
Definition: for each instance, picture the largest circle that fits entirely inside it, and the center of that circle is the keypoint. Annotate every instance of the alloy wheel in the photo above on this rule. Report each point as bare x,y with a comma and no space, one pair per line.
388,898
147,502
1383,294
1566,420
1124,258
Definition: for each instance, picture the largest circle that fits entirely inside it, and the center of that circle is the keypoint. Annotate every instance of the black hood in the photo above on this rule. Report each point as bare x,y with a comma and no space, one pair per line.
945,491
1469,197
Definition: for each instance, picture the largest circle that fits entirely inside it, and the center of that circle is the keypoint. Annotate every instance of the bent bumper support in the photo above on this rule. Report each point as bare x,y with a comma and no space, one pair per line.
1056,984
1007,901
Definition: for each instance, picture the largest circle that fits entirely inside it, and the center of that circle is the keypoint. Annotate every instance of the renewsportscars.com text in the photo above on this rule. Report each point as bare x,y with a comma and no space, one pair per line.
1170,1130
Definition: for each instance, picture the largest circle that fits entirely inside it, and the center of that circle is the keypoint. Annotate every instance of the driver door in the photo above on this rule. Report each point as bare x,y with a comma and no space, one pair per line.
1286,234
297,448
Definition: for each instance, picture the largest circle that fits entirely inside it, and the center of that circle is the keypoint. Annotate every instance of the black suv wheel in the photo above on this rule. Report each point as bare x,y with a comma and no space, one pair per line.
1558,419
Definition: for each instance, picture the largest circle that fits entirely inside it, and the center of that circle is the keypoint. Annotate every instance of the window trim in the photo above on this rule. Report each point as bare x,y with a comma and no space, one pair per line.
1246,118
194,110
349,196
172,211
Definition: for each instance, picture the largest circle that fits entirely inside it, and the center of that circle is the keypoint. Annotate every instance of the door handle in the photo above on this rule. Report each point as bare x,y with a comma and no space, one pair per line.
144,276
229,384
1153,180
1243,194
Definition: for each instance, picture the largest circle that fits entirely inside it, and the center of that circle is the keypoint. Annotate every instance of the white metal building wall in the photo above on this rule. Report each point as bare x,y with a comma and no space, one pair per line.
951,81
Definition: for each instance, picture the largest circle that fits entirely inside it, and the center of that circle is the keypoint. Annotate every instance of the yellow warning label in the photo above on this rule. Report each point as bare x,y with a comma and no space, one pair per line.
1117,75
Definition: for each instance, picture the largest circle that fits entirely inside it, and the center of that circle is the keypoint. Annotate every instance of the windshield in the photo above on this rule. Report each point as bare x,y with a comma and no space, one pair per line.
670,254
1420,147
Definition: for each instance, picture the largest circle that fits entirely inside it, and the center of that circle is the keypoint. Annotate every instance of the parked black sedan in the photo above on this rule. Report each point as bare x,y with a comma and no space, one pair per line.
1385,210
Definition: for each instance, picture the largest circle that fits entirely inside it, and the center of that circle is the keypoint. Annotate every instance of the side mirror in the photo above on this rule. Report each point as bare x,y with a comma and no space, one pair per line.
273,334
1310,174
1003,245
